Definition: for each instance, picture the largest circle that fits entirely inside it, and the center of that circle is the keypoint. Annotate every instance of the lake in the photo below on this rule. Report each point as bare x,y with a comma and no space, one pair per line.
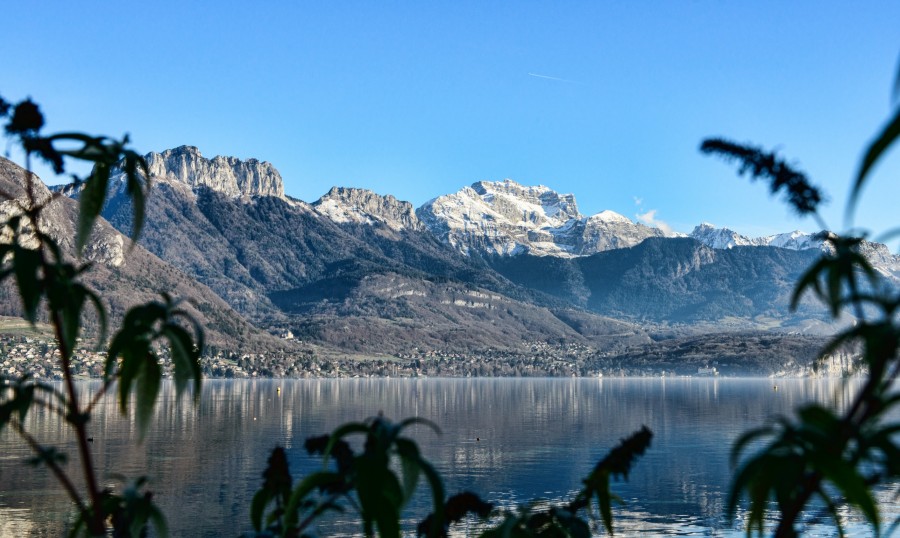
510,440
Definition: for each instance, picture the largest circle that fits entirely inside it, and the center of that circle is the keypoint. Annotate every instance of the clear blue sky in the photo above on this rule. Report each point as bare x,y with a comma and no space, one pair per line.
607,100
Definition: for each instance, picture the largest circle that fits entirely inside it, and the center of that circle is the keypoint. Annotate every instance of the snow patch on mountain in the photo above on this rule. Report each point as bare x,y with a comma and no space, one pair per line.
360,206
720,238
506,218
878,254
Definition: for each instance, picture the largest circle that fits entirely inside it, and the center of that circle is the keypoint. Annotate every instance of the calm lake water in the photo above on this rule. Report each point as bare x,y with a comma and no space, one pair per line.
511,440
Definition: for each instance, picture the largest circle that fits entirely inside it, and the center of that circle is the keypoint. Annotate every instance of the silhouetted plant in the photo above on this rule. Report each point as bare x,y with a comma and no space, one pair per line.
369,483
801,194
45,276
837,458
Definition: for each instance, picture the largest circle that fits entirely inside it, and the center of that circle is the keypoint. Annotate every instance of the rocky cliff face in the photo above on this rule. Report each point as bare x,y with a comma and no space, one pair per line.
506,218
228,175
361,206
721,238
105,246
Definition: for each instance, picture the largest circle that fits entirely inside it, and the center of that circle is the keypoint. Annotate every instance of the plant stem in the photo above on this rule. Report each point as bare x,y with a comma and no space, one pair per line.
95,524
54,467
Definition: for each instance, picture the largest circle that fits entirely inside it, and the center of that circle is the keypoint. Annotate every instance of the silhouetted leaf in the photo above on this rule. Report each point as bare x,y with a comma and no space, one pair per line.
884,140
380,495
91,202
802,195
26,264
185,358
746,438
147,388
134,165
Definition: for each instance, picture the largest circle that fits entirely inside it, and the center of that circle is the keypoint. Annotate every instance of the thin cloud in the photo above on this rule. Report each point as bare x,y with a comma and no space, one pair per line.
548,77
649,218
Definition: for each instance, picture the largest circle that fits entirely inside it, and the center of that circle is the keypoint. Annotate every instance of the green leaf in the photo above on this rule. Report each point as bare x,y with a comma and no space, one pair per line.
418,420
820,418
746,438
380,496
147,389
133,165
604,500
339,433
437,491
159,521
91,201
66,299
258,508
185,359
298,496
411,472
876,149
851,485
26,263
101,315
810,279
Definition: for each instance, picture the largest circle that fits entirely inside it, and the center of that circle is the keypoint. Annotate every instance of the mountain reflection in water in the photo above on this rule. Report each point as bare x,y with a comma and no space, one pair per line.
511,440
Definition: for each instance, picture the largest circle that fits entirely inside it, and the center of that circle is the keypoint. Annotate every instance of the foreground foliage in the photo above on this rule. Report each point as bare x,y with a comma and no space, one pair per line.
49,281
835,458
369,483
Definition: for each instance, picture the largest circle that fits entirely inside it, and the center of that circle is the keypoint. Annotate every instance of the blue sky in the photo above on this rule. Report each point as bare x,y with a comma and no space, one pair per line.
607,100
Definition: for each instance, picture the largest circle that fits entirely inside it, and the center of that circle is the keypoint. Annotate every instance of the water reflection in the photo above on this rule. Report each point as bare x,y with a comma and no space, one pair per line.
512,440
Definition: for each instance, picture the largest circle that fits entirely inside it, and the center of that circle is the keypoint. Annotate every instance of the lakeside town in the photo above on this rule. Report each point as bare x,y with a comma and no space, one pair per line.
36,356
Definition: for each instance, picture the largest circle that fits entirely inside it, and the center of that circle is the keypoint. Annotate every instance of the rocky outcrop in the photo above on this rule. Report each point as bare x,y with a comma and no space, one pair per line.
228,175
721,238
361,206
609,230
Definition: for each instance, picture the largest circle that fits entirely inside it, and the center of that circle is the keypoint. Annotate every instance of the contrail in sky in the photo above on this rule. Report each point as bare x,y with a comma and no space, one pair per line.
550,78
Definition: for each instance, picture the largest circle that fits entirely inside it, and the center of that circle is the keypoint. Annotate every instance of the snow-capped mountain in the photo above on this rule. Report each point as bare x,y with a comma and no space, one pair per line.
720,238
361,206
878,254
795,240
506,218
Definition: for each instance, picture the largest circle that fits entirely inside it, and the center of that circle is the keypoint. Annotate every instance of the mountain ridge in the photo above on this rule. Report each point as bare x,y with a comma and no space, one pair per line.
509,266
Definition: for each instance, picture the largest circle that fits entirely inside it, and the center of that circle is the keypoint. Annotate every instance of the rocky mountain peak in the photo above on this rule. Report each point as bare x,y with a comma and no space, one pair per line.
529,203
228,175
361,206
719,238
507,218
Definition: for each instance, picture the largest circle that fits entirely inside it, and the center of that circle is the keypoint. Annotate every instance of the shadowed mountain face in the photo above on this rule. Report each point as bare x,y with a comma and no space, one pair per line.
126,276
675,280
364,272
284,264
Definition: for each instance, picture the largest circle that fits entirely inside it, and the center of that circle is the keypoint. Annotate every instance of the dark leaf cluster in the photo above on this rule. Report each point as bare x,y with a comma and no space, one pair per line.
802,195
369,483
835,457
46,278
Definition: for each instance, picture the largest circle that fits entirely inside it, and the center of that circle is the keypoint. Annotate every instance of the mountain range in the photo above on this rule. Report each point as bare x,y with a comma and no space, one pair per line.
494,266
